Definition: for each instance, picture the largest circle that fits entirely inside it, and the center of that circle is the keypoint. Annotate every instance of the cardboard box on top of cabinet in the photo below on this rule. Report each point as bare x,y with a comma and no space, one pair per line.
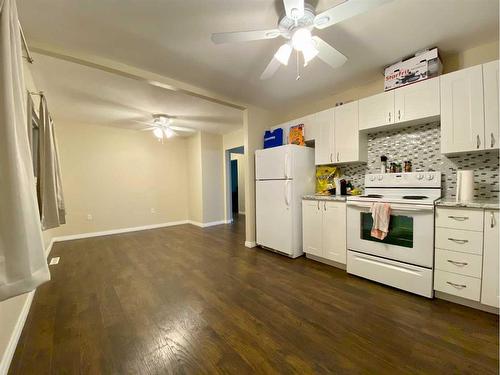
423,65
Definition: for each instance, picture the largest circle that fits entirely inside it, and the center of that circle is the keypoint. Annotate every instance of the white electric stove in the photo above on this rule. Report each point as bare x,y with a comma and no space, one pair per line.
405,258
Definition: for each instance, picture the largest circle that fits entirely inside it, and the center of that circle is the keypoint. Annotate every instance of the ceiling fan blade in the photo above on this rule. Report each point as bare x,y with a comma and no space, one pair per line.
271,68
294,9
344,11
182,129
329,54
244,36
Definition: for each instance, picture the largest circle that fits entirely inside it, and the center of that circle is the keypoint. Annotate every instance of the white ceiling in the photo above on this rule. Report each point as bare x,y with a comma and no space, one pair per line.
172,38
79,94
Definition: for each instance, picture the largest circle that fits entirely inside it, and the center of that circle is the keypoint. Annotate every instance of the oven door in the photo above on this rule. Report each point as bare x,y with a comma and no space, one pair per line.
410,238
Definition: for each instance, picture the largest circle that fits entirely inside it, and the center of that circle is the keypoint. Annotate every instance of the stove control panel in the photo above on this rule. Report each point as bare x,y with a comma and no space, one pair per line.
412,179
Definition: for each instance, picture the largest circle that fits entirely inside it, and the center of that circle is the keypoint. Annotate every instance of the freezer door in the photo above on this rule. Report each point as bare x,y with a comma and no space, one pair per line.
273,163
274,211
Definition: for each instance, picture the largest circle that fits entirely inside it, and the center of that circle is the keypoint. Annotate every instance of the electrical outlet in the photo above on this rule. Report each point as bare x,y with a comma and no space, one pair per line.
153,211
54,260
89,217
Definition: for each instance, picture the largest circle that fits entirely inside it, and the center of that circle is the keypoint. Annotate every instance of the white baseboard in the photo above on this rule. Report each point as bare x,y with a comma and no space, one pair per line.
49,248
118,231
250,244
209,224
16,334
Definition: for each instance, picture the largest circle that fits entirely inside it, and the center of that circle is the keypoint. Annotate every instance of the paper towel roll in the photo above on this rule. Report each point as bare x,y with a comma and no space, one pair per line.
465,186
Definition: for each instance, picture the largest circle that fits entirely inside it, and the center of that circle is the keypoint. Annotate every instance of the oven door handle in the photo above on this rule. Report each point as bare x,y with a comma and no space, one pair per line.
395,207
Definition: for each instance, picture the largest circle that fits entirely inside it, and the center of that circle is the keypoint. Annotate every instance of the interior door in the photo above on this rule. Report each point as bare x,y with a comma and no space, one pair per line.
491,123
376,110
273,163
346,133
417,101
462,110
334,231
490,289
274,211
312,227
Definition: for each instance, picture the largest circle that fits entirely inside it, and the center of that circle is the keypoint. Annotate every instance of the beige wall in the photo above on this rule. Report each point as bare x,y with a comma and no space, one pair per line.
195,192
451,62
255,122
212,177
122,178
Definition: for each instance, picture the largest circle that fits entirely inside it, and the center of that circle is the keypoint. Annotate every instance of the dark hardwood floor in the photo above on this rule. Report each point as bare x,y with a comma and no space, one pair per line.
189,300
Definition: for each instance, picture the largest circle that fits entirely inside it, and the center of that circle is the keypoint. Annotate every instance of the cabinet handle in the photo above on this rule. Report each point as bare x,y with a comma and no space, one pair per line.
399,114
324,205
318,204
331,158
492,140
460,264
338,158
389,116
458,241
492,220
458,286
459,218
478,142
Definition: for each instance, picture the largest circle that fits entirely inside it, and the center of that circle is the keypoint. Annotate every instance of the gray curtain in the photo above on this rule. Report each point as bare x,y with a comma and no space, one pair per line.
23,265
50,194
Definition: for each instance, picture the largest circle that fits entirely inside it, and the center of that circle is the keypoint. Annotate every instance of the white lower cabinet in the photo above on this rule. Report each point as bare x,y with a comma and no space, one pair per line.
467,254
489,290
324,229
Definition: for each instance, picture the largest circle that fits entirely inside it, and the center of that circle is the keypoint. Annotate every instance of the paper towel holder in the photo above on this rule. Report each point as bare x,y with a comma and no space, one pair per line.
465,186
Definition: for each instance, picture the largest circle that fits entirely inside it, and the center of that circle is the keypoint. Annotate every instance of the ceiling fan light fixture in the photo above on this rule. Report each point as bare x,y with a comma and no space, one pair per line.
301,38
283,53
309,51
169,133
158,133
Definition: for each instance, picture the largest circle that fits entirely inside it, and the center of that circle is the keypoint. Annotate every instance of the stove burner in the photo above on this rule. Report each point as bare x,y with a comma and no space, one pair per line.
415,197
371,196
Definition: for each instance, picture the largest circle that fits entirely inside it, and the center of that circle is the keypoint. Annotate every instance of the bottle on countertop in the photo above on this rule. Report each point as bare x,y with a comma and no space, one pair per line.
408,166
383,164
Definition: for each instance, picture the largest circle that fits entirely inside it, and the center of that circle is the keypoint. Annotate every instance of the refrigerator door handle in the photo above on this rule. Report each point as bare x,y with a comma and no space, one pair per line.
286,165
287,200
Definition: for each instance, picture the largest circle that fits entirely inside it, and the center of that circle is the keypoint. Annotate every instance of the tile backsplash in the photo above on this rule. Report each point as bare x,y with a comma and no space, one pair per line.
421,144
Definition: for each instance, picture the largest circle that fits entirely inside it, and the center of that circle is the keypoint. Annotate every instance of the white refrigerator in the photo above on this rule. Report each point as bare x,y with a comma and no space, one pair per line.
282,176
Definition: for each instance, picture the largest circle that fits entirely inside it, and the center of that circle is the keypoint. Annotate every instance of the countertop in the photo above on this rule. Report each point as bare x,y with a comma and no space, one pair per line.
322,197
489,204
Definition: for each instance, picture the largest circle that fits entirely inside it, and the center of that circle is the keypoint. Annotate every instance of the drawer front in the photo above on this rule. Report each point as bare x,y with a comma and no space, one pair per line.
459,240
459,218
461,263
458,285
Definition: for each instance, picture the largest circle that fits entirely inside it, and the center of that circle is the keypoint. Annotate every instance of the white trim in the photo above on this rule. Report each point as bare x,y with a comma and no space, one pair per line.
241,213
118,231
250,244
16,334
49,248
209,224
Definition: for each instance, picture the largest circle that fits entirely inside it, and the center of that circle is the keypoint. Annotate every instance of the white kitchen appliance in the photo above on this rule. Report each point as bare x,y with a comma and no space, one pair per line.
405,258
283,175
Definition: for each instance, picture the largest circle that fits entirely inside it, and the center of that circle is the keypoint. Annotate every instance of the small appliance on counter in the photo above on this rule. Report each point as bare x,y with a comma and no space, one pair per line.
465,186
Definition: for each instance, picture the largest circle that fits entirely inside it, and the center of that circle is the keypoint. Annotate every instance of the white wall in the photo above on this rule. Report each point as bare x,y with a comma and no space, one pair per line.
212,177
195,191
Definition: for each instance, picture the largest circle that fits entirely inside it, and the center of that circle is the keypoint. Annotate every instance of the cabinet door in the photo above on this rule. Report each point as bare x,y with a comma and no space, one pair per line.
346,134
417,101
489,289
491,124
462,111
334,231
377,110
311,227
323,148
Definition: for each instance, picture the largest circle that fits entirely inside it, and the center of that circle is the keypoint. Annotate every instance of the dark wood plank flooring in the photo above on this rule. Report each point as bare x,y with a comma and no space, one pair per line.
185,300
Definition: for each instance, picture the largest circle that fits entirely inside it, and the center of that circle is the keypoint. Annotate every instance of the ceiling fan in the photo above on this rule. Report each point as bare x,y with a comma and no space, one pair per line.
162,127
295,26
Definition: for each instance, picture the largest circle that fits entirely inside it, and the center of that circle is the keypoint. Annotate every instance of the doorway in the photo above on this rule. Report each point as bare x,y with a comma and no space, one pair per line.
235,183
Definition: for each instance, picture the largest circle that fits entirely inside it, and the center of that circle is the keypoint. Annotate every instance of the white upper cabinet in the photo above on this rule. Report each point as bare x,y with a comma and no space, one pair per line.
462,111
417,101
490,289
376,110
349,145
491,124
323,148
